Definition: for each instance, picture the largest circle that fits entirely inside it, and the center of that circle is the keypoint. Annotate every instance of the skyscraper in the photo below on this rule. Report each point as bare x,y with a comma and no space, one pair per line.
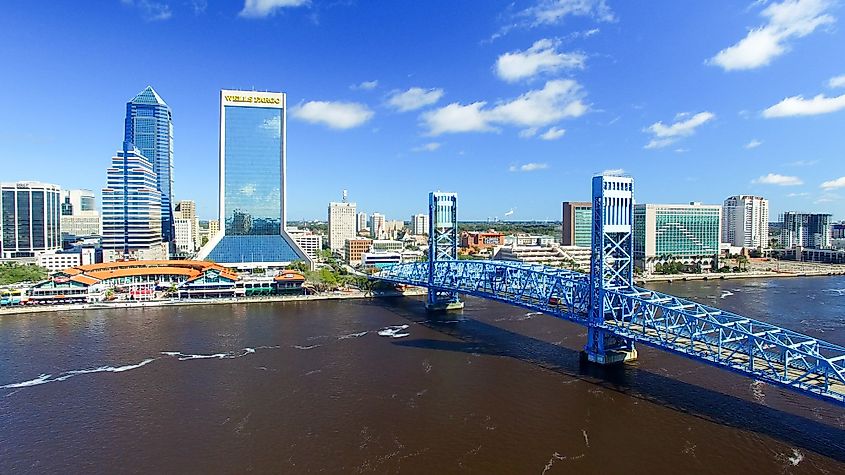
132,209
745,221
362,222
805,230
577,224
149,127
252,183
30,219
673,232
377,229
419,224
342,224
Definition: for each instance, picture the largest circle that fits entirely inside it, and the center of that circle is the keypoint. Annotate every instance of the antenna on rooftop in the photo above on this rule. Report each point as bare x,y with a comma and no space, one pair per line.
345,196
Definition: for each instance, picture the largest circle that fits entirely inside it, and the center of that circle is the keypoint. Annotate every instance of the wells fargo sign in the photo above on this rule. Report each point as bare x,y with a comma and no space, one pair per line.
253,99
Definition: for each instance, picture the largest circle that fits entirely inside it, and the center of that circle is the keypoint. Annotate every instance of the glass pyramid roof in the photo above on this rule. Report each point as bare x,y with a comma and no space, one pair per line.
148,96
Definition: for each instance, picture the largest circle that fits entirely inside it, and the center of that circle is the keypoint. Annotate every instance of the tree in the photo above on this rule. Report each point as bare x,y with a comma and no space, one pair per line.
13,273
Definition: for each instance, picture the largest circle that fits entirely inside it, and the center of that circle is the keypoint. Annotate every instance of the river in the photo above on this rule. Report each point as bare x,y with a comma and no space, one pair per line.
375,386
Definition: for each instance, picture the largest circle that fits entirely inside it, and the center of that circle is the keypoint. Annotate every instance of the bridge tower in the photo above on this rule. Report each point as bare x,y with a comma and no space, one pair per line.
442,246
611,266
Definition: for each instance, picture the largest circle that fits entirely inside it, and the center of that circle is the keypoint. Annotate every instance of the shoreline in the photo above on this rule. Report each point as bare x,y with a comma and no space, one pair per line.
738,275
224,301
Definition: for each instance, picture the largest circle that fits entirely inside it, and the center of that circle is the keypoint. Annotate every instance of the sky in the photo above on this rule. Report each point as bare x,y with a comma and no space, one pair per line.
514,105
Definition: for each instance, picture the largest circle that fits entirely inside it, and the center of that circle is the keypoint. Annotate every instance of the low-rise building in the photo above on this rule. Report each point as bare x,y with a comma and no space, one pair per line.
387,245
380,258
310,243
354,249
570,257
482,239
55,261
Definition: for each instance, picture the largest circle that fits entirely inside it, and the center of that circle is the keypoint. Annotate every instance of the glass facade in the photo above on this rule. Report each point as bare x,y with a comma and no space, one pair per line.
686,231
252,194
149,127
583,226
253,171
31,219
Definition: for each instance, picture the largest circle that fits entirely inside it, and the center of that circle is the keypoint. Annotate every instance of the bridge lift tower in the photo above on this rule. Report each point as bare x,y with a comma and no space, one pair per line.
442,246
611,266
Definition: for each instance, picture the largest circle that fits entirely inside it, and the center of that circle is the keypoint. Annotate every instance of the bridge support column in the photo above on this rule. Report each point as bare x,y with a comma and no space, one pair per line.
611,267
607,349
442,249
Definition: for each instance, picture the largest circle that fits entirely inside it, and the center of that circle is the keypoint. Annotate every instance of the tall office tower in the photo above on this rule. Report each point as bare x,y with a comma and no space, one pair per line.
253,184
187,209
686,233
30,223
577,224
419,224
362,222
377,229
132,209
745,221
810,230
149,127
342,224
79,213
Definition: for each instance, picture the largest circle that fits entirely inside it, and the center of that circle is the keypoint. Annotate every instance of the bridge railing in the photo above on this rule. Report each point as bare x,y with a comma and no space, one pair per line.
766,351
559,292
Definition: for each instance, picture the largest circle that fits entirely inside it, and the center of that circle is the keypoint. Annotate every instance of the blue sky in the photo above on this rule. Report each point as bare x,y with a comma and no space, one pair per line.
514,105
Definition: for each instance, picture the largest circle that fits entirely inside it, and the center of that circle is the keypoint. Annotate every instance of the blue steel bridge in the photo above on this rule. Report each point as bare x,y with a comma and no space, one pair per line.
618,314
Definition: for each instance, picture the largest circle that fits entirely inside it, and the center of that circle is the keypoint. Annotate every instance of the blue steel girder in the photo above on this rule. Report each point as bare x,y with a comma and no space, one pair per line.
750,347
557,292
754,348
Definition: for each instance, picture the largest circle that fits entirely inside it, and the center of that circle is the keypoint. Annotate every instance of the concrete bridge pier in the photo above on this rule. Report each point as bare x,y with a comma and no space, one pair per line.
607,349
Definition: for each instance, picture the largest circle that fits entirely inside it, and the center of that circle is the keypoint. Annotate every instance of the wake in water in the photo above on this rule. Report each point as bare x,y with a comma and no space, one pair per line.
837,292
394,331
48,378
221,356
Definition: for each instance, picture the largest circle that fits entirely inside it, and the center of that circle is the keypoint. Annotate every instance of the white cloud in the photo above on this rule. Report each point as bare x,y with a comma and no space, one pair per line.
456,118
754,143
837,81
151,10
429,147
541,57
553,133
528,167
337,115
559,99
613,171
528,133
414,98
264,8
665,135
797,106
797,195
780,180
833,184
681,150
274,125
802,163
551,12
365,86
786,20
248,189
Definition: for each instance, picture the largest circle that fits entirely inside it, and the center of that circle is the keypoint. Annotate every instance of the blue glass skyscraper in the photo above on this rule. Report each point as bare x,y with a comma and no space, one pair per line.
252,183
149,127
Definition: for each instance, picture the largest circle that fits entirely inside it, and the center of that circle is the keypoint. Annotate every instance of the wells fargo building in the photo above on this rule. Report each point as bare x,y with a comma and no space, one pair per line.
252,183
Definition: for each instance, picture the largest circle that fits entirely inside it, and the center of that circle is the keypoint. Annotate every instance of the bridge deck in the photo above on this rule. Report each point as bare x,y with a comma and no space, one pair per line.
750,347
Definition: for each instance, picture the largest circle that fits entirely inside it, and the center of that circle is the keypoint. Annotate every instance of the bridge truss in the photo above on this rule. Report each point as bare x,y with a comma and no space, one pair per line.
750,347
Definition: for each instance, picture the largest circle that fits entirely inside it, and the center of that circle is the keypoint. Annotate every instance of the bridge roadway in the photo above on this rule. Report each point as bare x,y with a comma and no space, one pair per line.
754,348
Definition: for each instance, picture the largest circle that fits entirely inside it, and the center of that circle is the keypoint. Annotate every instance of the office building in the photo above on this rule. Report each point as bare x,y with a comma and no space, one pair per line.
354,249
185,235
79,213
812,230
213,227
419,224
745,221
577,224
55,261
149,127
310,243
187,209
377,229
342,224
482,239
361,224
569,257
131,209
689,234
30,222
253,184
379,245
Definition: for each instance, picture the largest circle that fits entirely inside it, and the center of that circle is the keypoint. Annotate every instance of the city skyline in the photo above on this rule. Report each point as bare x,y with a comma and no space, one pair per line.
525,99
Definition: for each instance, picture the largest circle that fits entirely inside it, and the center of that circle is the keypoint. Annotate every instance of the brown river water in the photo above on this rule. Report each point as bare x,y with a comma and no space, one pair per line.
380,386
